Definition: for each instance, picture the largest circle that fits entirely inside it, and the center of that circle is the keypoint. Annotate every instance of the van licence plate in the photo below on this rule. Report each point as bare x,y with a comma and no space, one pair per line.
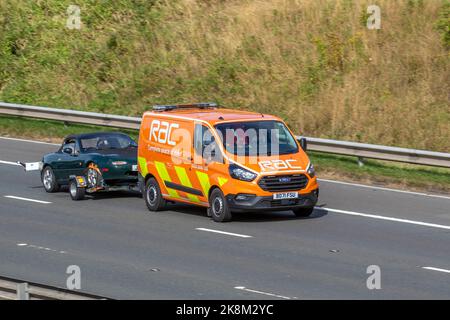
285,195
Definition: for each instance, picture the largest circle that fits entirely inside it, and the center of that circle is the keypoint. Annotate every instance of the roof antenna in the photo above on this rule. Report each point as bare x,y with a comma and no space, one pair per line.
221,118
262,115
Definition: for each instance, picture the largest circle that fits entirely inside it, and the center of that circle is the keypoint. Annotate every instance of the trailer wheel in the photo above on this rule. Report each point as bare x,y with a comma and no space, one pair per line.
153,197
76,193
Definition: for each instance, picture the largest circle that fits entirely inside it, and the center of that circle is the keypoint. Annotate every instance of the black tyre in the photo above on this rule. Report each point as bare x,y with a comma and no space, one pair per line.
75,192
303,212
49,180
218,207
153,197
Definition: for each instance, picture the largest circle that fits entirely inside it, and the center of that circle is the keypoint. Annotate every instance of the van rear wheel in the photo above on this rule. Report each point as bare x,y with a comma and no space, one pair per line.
153,197
218,207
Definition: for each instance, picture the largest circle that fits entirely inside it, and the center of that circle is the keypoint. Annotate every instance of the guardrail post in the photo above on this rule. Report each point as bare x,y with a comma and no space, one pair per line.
360,161
22,291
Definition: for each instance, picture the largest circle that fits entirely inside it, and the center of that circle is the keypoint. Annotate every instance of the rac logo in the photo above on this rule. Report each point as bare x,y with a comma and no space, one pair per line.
161,131
278,165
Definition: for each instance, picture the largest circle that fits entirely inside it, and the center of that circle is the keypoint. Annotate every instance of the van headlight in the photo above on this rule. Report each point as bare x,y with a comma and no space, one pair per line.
311,170
240,173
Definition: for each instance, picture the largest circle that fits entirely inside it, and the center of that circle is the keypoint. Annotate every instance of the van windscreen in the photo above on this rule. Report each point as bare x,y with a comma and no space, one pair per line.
257,138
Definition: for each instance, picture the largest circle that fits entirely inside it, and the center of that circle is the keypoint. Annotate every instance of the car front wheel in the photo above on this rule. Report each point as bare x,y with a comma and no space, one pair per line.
153,197
49,180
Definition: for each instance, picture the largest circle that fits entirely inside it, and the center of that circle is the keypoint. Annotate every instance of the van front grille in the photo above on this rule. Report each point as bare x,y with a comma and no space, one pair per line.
282,183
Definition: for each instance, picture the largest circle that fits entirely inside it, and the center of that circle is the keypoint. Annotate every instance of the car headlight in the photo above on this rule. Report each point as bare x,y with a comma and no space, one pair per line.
240,173
311,170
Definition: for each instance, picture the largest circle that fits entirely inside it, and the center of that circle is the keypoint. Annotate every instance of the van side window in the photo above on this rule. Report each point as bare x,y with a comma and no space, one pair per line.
202,138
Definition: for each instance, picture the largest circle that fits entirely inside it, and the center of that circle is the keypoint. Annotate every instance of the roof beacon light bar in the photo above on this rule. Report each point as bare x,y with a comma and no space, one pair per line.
201,105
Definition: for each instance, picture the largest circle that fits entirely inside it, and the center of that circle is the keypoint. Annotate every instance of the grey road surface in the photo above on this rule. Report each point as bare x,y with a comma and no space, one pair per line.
126,252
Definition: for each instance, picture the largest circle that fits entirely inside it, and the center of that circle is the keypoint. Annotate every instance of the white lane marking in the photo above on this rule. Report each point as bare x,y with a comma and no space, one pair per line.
10,163
27,199
374,216
223,232
39,247
436,269
385,189
31,141
262,292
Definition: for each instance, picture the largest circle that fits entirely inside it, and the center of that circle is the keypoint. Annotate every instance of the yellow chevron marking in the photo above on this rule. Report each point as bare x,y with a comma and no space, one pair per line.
204,182
184,179
222,181
164,175
143,166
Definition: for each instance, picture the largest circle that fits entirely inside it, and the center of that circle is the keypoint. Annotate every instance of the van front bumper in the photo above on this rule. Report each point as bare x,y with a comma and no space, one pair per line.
258,203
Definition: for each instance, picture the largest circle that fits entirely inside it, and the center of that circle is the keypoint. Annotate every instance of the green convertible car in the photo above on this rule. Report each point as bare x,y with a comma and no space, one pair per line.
91,162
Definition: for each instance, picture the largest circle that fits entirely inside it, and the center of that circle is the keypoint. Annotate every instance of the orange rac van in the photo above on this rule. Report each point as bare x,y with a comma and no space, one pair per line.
225,160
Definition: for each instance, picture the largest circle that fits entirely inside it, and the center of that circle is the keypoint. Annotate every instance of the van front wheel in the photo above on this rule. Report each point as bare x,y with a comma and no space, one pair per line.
218,207
153,197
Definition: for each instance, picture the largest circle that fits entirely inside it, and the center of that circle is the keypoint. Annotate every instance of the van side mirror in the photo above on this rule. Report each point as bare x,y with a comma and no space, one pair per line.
67,150
303,144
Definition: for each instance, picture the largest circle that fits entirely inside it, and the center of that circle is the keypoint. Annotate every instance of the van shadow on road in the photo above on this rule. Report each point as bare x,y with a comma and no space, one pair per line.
113,194
260,216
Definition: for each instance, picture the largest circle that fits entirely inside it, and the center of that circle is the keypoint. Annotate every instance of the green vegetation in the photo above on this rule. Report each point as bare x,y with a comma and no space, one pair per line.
443,23
327,166
312,62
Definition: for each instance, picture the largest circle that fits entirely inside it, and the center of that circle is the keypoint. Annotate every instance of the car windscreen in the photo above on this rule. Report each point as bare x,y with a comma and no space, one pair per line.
259,138
105,142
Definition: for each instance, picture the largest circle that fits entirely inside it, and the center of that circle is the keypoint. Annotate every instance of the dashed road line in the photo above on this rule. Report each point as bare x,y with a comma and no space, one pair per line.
224,232
31,141
27,199
264,293
10,163
32,246
436,269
